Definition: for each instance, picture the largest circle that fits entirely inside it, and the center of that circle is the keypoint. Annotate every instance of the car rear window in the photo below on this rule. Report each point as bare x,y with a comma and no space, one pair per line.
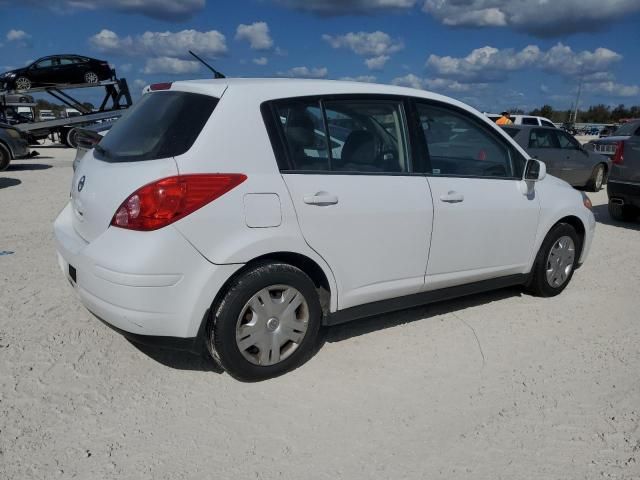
160,125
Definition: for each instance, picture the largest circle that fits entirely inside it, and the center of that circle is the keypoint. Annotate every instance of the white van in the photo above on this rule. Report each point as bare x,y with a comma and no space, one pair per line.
524,120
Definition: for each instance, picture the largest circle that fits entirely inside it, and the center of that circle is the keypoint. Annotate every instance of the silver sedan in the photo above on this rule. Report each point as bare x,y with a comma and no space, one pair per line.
563,155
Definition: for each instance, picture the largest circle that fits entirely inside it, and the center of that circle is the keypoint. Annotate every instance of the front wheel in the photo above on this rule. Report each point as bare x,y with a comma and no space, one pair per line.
621,213
556,261
5,158
267,322
597,178
22,83
91,77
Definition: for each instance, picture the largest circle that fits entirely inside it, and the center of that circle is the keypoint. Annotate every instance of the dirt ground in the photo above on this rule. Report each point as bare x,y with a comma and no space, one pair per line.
495,386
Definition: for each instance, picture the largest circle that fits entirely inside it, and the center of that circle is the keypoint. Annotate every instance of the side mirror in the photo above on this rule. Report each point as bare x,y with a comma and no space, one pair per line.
535,170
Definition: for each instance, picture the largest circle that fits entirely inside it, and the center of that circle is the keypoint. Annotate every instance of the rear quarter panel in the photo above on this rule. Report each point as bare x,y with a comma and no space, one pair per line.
235,140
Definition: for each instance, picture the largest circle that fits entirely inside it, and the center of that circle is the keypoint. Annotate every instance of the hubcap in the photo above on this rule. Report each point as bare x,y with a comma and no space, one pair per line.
560,261
599,178
272,325
23,84
91,77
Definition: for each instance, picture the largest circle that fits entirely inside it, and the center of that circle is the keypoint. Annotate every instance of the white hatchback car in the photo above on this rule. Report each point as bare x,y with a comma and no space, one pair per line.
245,214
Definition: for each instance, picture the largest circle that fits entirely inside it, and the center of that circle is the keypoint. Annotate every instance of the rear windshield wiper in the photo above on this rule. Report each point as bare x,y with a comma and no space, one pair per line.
101,150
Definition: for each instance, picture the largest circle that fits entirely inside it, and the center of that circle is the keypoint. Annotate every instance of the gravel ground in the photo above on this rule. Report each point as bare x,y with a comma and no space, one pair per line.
495,386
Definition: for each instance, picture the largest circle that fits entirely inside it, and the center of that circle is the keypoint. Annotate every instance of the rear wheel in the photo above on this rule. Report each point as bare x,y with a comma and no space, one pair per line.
5,158
622,213
71,138
91,77
556,261
22,83
597,178
267,322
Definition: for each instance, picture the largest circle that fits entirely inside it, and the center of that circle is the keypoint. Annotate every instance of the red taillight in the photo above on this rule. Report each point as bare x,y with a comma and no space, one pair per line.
165,201
618,157
160,86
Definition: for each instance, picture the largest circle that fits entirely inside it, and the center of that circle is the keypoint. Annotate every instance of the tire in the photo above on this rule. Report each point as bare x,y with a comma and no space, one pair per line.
22,83
622,213
250,337
546,279
71,138
597,178
5,158
91,77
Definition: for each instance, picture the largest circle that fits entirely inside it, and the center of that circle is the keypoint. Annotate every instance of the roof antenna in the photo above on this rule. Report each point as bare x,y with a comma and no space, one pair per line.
216,74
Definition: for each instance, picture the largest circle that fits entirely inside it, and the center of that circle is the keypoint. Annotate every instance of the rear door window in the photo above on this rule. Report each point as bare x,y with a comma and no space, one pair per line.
529,121
160,125
542,138
344,135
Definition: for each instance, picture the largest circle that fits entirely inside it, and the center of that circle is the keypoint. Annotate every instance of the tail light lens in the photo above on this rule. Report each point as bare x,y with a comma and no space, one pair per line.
618,157
165,201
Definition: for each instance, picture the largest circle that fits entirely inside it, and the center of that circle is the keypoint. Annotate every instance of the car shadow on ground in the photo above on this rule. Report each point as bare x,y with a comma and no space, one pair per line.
601,212
180,360
23,167
189,361
9,182
368,325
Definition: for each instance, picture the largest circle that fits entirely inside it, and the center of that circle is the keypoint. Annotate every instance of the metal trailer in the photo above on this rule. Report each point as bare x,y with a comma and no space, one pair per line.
116,100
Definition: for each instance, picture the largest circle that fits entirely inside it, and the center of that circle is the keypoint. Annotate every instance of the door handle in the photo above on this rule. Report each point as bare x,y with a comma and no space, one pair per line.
321,199
452,197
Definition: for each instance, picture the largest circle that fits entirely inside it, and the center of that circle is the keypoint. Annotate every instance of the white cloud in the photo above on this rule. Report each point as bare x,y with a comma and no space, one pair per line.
377,63
409,80
346,7
257,34
169,10
166,44
539,17
373,44
18,38
492,64
614,89
360,78
305,72
139,83
436,84
170,65
17,35
261,61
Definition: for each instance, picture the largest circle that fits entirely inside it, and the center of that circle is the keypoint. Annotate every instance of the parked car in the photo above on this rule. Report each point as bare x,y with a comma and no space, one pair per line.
607,145
46,115
524,120
88,137
623,188
212,215
13,144
57,70
563,155
15,98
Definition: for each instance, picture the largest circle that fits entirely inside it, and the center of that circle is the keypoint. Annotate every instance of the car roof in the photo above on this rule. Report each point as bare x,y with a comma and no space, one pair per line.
264,89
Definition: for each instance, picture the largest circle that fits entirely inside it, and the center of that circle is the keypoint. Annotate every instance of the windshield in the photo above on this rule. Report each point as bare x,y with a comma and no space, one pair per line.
627,129
161,125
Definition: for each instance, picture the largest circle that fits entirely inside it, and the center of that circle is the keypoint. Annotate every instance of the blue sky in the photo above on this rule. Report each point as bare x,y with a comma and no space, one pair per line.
493,54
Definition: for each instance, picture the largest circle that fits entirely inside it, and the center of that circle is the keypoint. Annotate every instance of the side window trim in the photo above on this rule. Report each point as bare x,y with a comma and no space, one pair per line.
512,151
281,151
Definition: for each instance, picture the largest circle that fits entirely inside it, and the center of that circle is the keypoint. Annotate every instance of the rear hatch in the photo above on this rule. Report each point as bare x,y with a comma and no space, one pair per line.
140,149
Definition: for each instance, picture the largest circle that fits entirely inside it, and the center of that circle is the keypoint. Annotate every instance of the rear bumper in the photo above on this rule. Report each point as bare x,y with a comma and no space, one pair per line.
627,192
141,283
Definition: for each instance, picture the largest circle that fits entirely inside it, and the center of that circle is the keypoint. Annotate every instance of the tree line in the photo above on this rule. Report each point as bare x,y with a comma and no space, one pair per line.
600,113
